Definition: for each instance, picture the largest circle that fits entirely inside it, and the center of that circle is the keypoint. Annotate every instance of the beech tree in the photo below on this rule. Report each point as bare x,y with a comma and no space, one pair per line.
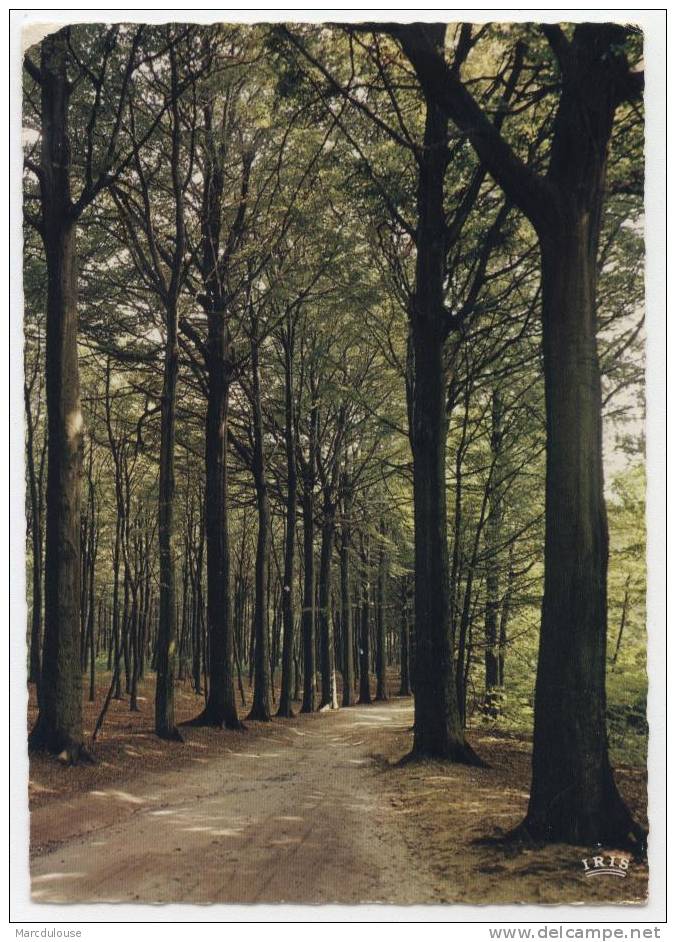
59,725
573,795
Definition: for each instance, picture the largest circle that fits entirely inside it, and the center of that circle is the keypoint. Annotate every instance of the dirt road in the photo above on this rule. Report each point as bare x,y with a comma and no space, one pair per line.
294,813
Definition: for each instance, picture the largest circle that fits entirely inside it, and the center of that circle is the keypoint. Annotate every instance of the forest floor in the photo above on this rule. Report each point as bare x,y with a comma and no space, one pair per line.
311,810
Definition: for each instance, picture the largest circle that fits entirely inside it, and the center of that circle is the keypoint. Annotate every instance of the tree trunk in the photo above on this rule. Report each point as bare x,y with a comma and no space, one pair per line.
404,643
346,600
364,628
36,545
286,691
221,706
329,698
381,629
573,796
491,704
165,724
623,619
437,727
308,618
92,597
260,708
59,725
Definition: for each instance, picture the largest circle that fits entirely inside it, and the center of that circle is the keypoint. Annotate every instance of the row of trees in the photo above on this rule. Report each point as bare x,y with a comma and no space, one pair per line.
301,271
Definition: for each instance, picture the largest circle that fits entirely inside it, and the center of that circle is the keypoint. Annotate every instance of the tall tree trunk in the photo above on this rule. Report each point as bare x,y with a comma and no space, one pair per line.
491,704
437,726
346,598
329,698
381,625
464,650
93,537
505,611
221,707
59,725
116,645
165,724
573,795
36,545
364,627
404,643
260,708
286,691
308,617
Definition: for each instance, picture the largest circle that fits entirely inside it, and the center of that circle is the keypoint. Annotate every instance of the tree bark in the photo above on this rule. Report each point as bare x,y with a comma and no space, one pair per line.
165,723
364,627
59,725
36,545
329,698
438,730
404,643
221,707
573,795
308,618
286,691
381,628
260,708
346,597
491,704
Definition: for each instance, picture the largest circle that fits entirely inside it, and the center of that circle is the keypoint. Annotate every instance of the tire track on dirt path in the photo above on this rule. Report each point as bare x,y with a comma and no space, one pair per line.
295,815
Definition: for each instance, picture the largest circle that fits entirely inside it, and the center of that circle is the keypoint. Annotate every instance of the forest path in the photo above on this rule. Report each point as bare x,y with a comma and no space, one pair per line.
294,813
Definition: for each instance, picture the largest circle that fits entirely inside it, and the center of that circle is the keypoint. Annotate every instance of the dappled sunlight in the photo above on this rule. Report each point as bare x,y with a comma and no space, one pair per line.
254,755
319,808
120,796
50,877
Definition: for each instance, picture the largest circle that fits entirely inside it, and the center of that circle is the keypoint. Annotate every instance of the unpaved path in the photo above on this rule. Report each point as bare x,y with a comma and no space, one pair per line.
294,814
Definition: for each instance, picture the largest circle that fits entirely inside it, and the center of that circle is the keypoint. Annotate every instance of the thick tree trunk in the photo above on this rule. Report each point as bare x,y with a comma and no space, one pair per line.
165,724
221,707
437,727
573,796
36,545
59,725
